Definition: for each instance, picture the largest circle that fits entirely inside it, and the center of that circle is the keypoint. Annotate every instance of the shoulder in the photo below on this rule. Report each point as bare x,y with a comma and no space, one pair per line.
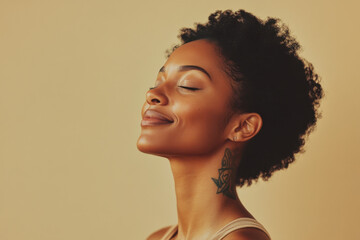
247,234
157,235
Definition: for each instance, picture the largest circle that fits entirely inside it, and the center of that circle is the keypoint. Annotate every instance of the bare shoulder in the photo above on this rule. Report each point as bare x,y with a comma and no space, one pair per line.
247,234
157,235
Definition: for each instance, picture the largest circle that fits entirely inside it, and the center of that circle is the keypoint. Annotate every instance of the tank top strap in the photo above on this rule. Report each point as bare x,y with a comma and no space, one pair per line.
169,233
238,224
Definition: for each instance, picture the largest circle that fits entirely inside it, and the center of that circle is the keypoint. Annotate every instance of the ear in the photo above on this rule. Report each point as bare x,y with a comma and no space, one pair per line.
244,126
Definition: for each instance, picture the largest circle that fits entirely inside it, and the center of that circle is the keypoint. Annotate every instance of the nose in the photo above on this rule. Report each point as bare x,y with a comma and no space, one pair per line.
156,97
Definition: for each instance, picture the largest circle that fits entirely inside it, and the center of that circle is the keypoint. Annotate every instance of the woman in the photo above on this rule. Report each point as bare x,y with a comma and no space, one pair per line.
232,104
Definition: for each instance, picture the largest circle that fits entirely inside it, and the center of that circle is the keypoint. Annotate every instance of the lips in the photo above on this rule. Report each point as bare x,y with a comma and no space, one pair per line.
152,117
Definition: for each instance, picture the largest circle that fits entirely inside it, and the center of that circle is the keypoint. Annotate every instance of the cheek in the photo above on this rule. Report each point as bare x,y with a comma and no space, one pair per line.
201,130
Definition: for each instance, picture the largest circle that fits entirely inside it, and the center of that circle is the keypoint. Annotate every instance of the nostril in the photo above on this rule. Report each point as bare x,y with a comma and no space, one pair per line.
155,100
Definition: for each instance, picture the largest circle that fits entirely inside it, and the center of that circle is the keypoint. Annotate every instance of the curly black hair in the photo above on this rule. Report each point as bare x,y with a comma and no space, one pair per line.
269,78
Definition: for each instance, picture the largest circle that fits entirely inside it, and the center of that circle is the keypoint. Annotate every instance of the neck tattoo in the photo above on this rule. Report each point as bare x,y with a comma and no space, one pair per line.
224,182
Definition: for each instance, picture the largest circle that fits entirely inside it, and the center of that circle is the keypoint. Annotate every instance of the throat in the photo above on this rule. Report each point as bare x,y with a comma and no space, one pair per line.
205,192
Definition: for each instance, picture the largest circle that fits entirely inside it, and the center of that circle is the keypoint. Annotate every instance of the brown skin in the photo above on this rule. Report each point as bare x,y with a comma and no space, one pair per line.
203,127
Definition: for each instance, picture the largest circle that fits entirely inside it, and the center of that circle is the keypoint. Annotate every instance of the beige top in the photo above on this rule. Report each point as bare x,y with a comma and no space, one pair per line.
225,230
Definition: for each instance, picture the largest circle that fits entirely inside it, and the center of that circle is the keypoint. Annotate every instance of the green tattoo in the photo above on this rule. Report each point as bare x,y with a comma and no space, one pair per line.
224,181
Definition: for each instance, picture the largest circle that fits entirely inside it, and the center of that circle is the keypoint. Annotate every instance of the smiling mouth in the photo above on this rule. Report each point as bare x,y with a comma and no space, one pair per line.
152,117
154,121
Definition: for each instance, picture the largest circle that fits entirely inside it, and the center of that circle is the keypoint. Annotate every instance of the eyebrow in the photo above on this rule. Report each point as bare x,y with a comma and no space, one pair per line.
188,68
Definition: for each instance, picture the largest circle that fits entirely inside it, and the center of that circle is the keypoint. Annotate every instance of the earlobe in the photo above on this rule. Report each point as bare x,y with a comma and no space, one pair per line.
246,127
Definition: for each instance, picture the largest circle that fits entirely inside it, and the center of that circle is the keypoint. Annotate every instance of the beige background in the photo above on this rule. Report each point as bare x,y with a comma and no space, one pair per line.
73,76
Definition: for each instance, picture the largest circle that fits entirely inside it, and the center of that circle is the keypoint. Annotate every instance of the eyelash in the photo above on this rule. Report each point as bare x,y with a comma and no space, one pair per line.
188,88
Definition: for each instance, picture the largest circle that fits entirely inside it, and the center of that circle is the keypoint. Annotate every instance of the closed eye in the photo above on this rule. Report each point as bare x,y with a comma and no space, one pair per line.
189,88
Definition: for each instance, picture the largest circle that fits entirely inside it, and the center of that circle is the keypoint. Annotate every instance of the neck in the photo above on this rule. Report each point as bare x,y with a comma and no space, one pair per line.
206,193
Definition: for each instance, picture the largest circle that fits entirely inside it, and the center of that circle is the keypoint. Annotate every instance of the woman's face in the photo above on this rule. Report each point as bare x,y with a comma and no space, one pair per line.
193,93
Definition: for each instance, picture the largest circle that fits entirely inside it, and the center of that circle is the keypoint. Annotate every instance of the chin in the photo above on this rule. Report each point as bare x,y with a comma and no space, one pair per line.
148,147
161,150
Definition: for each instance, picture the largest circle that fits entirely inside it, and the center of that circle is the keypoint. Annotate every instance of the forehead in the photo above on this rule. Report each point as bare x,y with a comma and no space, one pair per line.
200,53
